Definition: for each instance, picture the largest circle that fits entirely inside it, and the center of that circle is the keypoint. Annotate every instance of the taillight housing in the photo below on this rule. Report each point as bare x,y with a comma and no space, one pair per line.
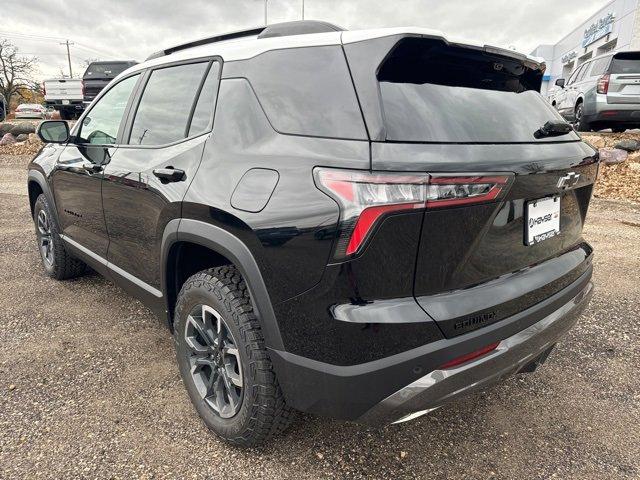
82,87
366,197
603,84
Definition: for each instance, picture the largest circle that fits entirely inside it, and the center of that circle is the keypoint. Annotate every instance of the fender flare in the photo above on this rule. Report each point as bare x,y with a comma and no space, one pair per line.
39,178
228,245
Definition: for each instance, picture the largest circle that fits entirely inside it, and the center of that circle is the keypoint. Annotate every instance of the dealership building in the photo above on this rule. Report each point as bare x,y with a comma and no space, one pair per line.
615,27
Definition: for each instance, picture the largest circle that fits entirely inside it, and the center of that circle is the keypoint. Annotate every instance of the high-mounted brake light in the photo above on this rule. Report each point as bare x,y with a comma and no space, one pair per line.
603,84
366,197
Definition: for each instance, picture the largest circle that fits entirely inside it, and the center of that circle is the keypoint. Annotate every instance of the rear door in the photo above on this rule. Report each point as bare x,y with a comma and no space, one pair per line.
166,134
624,78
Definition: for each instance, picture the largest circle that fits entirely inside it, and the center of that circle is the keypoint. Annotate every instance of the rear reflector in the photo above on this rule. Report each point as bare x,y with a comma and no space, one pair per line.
366,197
469,356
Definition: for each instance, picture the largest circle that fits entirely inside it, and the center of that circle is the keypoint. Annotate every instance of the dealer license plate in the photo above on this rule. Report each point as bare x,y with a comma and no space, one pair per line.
543,220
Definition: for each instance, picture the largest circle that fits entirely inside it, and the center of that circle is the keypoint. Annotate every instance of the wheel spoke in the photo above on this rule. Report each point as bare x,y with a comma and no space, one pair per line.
216,367
196,338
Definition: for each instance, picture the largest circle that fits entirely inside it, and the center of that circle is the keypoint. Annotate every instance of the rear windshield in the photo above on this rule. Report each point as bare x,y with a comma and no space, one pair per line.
626,63
432,92
106,70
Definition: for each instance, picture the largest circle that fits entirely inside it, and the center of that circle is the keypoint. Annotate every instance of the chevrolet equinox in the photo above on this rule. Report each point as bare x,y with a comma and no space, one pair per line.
364,225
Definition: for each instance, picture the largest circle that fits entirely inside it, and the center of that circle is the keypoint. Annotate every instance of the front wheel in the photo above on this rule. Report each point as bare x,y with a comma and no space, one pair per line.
57,262
223,360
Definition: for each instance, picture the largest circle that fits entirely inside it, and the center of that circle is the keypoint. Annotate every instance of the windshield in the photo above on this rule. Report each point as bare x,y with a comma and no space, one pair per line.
106,70
432,92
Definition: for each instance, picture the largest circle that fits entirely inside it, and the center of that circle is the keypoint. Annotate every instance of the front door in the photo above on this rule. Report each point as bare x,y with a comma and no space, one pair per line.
77,176
145,182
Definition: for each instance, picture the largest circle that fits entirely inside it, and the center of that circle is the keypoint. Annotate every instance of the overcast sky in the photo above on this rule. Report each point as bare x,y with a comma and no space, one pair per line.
111,29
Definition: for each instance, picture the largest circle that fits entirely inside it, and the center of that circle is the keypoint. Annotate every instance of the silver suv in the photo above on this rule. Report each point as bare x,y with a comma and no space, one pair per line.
603,92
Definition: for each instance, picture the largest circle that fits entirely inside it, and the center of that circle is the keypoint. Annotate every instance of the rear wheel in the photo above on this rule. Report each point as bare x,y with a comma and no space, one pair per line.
56,260
580,124
223,360
65,115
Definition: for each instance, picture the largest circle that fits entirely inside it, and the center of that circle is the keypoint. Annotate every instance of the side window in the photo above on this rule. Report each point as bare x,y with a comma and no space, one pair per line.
203,113
307,91
574,75
584,71
599,66
166,104
100,126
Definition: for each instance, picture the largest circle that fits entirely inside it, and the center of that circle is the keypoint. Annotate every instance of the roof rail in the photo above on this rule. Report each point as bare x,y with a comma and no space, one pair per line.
206,40
299,27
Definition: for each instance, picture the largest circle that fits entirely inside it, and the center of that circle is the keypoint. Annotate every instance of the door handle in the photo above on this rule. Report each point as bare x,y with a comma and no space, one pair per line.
93,167
169,174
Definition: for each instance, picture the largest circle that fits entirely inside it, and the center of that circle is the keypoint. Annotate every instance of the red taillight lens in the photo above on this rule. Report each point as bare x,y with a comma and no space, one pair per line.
366,197
603,83
469,356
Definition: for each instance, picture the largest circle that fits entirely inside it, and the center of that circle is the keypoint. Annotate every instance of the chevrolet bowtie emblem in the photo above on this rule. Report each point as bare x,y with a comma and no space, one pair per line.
569,180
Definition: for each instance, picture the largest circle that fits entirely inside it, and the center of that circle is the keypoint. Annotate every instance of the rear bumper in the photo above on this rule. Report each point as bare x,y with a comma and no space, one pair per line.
613,113
392,388
512,355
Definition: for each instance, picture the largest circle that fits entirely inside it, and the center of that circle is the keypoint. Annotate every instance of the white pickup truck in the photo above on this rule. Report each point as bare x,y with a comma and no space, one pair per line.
65,95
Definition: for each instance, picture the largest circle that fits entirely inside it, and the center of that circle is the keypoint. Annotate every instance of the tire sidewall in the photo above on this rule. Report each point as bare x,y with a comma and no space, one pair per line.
210,293
43,205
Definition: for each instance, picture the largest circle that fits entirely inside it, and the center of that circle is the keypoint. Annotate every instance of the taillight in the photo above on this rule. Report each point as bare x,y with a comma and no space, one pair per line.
603,83
366,197
82,87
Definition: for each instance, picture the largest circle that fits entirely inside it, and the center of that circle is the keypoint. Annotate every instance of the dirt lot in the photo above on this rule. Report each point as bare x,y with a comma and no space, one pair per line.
89,387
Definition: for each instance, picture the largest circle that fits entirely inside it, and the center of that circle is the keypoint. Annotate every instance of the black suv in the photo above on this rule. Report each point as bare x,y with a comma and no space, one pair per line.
358,224
99,74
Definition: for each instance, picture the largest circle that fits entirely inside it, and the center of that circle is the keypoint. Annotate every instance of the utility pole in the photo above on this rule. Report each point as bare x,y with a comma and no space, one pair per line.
67,43
302,9
265,13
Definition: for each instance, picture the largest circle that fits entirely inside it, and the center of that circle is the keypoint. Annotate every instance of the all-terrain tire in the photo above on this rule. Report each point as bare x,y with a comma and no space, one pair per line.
263,412
59,264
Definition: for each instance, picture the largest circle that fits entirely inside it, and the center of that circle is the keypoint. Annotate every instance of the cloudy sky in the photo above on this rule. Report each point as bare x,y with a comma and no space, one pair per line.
132,29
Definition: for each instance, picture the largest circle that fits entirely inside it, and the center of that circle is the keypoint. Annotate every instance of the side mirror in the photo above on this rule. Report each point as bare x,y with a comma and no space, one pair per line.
560,82
53,131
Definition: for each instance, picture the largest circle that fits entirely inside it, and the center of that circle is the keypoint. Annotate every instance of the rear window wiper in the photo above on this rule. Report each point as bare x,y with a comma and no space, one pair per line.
553,128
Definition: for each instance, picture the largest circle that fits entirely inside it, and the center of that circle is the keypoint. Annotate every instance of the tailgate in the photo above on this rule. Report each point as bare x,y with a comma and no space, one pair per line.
624,78
63,89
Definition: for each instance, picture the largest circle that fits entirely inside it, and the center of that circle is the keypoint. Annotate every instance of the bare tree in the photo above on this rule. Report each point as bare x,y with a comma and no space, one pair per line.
15,71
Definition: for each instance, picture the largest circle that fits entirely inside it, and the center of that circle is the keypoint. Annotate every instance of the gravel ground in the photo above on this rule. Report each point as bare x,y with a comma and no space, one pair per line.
89,387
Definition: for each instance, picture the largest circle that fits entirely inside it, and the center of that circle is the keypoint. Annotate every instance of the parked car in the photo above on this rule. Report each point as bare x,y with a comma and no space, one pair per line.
602,93
370,228
64,95
99,74
31,110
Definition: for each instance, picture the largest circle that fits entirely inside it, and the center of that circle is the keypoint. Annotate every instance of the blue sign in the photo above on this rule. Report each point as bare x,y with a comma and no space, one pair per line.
599,29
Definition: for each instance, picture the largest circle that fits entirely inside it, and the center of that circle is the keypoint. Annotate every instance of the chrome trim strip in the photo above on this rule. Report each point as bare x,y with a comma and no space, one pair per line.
123,273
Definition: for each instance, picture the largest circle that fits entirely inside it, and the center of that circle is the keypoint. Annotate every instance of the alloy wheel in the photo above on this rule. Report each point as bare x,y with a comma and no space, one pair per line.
45,239
578,117
214,360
